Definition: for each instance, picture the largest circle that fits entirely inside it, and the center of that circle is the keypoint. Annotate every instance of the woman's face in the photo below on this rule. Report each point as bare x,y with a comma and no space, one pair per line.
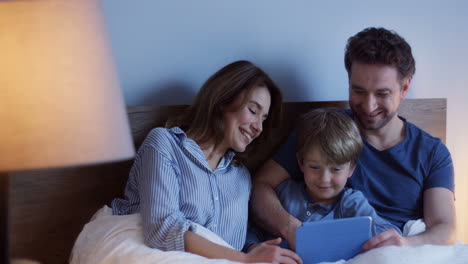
242,125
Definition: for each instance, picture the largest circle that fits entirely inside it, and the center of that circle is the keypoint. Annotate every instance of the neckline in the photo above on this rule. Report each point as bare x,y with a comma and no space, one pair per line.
190,145
396,146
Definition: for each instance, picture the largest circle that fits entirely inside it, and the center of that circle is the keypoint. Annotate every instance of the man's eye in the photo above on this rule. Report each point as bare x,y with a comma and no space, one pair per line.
383,94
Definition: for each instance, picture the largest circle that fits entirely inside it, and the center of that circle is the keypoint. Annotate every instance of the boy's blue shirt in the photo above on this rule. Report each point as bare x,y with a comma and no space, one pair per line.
297,202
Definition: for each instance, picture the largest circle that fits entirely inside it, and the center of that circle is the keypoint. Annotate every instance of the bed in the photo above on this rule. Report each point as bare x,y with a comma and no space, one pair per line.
49,208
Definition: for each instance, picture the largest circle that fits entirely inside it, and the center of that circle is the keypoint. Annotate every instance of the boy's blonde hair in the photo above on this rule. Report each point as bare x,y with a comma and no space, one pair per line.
333,132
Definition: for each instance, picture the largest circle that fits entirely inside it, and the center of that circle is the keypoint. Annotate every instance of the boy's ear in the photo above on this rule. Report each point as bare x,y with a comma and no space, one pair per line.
299,161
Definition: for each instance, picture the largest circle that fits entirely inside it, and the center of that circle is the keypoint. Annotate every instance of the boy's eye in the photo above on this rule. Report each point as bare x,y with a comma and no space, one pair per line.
314,167
336,169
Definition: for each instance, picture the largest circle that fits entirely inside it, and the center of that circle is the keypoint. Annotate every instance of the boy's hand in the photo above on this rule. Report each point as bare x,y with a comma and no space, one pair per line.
270,252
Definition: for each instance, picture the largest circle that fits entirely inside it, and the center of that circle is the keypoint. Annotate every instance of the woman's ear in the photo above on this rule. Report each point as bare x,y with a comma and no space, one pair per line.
300,161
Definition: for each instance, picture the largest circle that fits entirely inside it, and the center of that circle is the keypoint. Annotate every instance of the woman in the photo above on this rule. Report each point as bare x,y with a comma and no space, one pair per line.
190,174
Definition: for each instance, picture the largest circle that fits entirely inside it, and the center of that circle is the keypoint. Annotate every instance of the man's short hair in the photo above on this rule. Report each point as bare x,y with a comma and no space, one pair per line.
333,132
380,46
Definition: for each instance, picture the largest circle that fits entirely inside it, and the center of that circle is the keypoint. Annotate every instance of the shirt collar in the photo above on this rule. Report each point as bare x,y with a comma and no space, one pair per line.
184,140
178,132
323,208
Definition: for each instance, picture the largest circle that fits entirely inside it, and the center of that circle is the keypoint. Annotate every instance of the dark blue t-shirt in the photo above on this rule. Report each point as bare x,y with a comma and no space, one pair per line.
393,180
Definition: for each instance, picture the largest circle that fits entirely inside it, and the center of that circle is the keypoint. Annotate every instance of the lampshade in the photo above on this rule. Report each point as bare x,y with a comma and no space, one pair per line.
60,101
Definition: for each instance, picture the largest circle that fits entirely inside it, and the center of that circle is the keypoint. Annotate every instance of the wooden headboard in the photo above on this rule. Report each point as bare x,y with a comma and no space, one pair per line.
48,208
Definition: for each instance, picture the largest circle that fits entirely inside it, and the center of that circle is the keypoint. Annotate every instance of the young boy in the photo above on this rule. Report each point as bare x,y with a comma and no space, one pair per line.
328,148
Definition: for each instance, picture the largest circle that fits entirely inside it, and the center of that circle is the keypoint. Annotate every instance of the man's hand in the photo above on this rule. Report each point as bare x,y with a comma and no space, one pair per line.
386,238
265,208
270,252
289,232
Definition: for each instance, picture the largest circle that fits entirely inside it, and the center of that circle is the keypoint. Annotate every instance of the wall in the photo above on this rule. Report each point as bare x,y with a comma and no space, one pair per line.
165,50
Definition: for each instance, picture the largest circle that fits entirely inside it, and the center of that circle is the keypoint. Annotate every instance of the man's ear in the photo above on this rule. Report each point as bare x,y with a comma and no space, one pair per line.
300,161
405,87
352,167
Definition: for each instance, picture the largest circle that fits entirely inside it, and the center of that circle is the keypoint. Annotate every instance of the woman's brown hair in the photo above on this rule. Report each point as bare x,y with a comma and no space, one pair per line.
203,120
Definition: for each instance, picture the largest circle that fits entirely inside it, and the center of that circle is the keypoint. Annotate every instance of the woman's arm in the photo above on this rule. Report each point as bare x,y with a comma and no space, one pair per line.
267,251
164,224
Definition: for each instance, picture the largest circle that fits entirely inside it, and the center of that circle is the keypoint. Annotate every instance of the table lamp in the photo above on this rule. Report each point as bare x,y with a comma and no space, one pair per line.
60,103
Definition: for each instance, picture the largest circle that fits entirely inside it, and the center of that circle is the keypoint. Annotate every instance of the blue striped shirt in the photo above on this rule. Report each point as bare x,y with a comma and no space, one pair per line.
173,187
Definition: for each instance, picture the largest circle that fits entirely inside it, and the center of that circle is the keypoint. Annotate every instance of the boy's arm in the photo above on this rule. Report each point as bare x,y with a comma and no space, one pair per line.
266,209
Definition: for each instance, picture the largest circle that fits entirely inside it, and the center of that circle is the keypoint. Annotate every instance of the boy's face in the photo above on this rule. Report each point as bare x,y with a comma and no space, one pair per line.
324,182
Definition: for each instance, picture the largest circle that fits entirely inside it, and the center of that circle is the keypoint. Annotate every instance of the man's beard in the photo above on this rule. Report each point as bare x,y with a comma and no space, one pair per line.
364,124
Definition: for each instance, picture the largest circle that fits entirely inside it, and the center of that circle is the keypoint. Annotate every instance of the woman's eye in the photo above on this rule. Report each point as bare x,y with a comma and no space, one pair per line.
252,111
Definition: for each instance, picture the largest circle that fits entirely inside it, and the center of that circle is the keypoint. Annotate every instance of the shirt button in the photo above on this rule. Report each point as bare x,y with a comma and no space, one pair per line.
310,205
216,198
215,225
308,213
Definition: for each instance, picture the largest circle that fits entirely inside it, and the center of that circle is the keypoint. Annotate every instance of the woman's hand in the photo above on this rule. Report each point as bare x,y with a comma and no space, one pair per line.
270,252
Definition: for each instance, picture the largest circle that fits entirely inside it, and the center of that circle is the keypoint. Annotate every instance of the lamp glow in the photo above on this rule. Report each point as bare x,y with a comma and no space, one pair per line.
60,101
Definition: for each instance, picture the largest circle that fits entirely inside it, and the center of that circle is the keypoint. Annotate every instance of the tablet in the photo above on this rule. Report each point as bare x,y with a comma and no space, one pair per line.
332,240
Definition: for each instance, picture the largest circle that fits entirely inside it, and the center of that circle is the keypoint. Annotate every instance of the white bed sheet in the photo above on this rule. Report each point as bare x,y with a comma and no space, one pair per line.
109,239
112,239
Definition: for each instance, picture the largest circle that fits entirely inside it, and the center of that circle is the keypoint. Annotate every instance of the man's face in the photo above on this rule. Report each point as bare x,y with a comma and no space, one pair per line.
375,93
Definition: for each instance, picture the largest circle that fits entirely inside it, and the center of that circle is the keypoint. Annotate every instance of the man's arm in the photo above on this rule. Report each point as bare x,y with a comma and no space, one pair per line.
266,209
439,216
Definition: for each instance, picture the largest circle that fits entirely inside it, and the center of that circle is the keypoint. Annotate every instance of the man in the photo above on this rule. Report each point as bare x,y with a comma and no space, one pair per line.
404,172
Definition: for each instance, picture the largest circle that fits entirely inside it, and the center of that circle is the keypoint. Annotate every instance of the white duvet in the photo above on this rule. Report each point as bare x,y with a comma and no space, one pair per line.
109,239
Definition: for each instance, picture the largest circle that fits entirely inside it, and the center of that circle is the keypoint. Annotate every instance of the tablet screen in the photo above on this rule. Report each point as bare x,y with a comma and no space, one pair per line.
332,240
